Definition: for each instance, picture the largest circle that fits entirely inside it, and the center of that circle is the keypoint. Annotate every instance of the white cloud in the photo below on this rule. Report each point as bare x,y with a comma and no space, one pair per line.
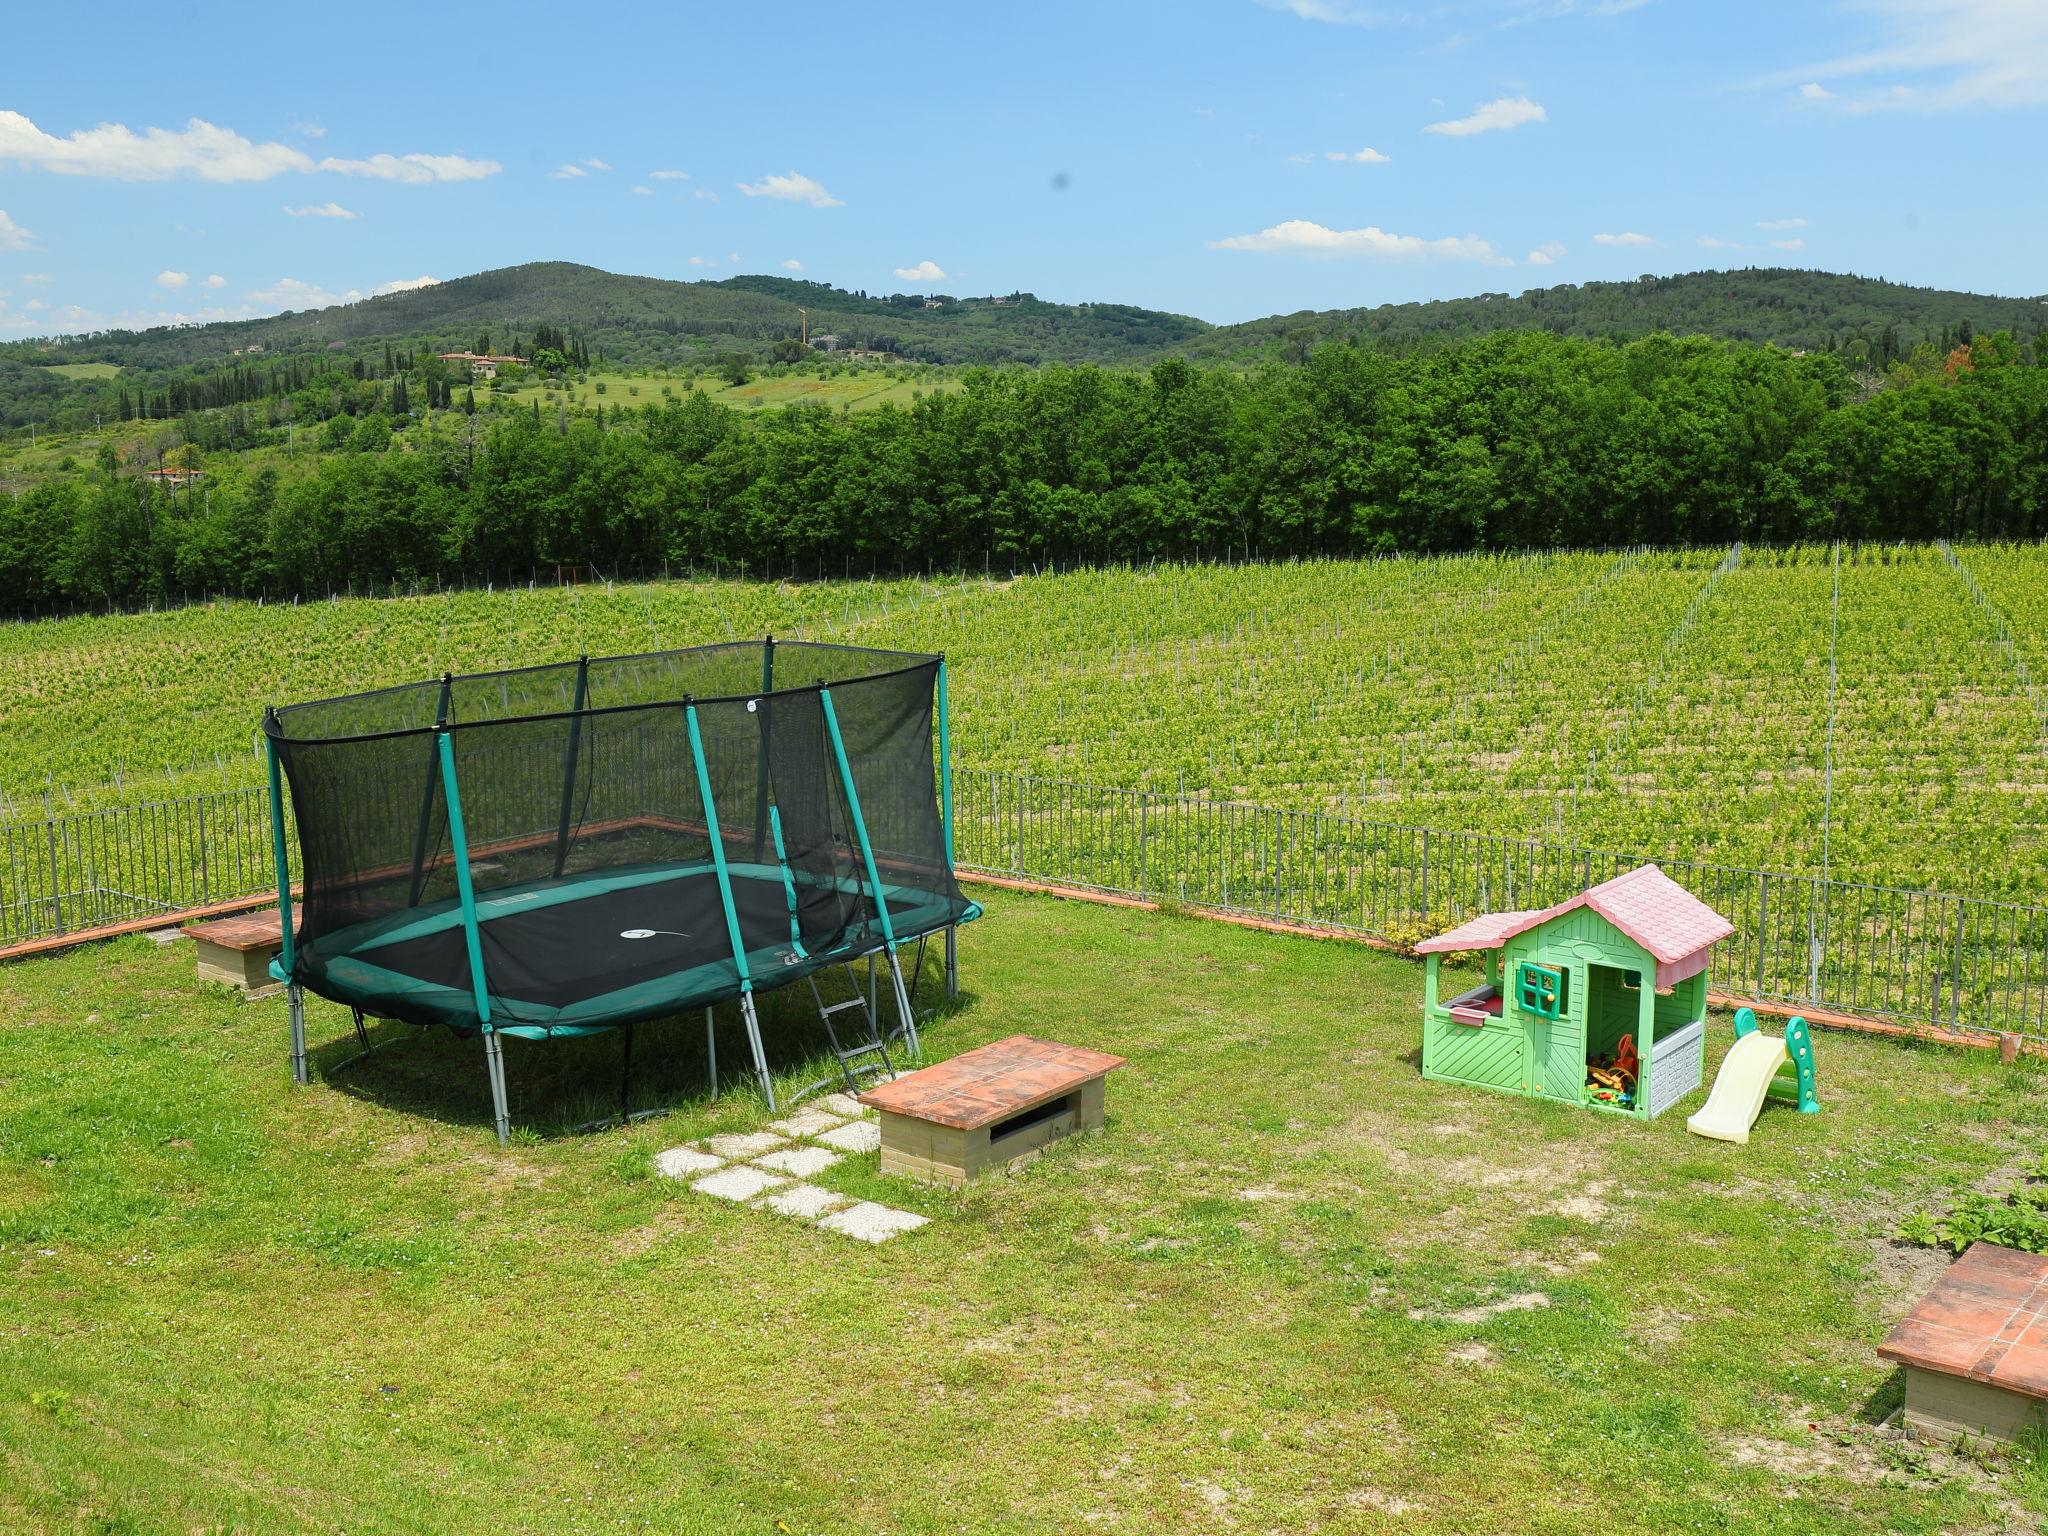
792,265
169,279
668,175
35,304
403,285
1794,244
699,261
1302,237
1338,13
566,173
204,151
732,256
704,194
156,154
792,188
322,211
292,293
1715,243
35,277
1627,237
215,280
309,130
926,271
415,170
1366,156
595,164
1781,223
643,191
1544,255
1304,158
13,237
1940,55
1507,112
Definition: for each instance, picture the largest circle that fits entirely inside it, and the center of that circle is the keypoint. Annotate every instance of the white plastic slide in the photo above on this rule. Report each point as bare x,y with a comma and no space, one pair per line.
1739,1088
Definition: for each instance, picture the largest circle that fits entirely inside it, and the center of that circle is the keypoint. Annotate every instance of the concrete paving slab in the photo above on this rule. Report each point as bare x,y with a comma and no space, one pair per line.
843,1104
807,1122
802,1162
859,1136
738,1146
807,1202
738,1183
871,1223
685,1163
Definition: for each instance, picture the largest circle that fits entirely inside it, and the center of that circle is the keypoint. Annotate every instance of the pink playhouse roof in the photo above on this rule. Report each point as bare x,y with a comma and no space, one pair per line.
1675,926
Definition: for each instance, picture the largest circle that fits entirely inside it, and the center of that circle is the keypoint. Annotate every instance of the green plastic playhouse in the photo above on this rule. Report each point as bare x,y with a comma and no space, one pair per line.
1601,1000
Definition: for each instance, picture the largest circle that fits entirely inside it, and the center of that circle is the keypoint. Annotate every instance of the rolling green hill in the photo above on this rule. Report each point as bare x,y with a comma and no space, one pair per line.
1787,307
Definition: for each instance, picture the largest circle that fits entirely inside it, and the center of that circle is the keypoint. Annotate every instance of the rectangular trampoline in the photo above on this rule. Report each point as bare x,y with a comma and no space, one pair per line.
567,849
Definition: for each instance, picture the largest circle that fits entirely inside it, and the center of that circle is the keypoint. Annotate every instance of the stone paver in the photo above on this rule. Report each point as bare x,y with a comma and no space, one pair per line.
806,1122
806,1201
685,1163
860,1136
800,1161
738,1183
871,1223
842,1104
740,1145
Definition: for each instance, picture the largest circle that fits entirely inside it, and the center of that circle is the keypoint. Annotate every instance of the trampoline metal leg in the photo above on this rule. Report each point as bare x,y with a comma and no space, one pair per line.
711,1050
494,1063
626,1081
953,963
903,1010
296,999
754,1043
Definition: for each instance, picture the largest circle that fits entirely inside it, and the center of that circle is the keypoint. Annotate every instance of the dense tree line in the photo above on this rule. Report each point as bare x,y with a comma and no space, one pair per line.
1516,440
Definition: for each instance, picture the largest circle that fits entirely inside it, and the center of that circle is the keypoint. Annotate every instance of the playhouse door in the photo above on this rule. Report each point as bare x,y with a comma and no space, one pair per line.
1556,1057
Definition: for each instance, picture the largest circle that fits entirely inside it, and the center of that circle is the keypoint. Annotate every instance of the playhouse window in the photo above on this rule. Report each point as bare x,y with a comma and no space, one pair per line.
1540,989
1633,980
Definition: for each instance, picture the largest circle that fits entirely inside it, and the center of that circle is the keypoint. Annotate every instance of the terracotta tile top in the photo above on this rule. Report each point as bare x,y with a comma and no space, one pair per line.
1984,1319
994,1082
245,930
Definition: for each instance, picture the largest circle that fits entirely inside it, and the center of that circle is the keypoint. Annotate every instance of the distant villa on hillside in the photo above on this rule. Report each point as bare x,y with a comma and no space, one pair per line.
482,365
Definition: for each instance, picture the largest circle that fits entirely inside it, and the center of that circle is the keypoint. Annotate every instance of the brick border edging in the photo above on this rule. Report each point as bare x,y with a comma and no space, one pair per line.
2008,1045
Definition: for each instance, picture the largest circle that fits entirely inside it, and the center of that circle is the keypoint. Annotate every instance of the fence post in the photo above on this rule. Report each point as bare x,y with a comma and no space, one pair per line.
1955,982
1763,926
56,882
1144,848
1425,874
205,886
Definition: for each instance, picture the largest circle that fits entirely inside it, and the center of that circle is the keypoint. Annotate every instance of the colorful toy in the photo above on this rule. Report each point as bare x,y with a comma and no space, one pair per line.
1755,1066
1601,1000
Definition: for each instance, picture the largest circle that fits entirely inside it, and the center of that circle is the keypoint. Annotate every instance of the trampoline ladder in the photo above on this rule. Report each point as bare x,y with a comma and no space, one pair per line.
868,1059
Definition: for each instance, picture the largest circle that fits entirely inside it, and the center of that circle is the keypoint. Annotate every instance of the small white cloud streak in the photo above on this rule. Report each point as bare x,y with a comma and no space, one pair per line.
1545,254
924,272
169,279
14,238
668,175
792,187
1626,237
1493,116
1304,237
322,211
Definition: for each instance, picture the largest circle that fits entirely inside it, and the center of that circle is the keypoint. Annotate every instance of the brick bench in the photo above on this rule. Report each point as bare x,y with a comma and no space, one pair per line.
1976,1348
988,1108
238,950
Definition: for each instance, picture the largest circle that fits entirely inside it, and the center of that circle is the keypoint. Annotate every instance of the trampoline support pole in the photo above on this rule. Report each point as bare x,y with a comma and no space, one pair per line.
732,921
296,1001
909,1019
494,1064
754,1040
946,822
711,1050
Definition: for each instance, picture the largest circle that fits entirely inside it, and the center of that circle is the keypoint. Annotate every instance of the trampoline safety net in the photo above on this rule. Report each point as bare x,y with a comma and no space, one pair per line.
615,872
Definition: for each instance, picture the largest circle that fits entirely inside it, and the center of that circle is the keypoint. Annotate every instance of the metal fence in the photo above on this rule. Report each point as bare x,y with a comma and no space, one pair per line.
1914,957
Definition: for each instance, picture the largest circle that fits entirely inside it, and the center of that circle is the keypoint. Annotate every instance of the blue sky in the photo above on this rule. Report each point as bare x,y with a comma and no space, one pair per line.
1222,158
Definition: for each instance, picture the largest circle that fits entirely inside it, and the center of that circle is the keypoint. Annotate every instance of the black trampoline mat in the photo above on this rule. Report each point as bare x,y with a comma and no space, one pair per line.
559,953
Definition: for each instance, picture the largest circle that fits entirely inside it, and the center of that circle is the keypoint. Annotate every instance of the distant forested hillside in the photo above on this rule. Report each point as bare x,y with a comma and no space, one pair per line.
1865,319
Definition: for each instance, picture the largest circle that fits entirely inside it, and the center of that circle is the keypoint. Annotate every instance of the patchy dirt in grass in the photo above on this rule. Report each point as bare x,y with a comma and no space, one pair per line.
1521,1301
1472,1352
1382,1501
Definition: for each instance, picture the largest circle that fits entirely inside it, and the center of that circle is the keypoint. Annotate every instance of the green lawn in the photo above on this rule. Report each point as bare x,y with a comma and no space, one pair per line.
1291,1287
859,387
83,370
